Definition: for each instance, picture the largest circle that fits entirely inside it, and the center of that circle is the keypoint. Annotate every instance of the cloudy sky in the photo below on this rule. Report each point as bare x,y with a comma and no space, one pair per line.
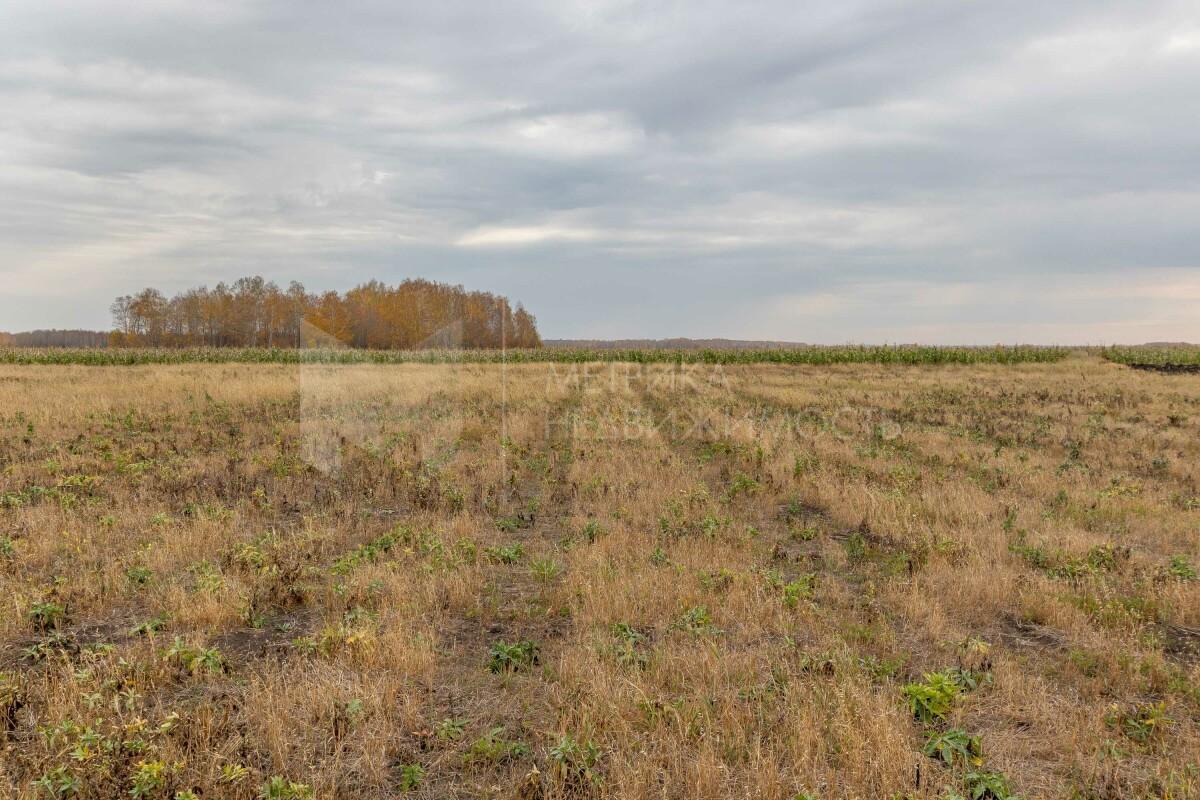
942,171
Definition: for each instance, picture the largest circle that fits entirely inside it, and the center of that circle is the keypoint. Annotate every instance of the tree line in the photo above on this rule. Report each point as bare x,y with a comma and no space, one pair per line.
253,312
54,338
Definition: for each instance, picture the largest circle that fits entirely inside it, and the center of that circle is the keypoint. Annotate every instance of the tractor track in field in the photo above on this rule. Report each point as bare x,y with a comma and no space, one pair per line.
512,607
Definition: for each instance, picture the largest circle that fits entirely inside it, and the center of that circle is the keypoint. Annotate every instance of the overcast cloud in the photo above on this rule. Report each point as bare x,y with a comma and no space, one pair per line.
941,171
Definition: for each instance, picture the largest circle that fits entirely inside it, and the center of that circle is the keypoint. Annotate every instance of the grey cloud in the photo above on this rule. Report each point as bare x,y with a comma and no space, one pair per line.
869,170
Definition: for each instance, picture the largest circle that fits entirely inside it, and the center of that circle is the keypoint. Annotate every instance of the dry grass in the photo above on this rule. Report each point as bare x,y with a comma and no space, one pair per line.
731,574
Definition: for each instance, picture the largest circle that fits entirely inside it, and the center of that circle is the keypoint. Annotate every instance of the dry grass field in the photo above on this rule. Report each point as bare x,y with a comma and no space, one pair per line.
599,581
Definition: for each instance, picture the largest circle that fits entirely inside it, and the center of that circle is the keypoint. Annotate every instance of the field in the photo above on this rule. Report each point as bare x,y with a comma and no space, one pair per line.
609,580
881,354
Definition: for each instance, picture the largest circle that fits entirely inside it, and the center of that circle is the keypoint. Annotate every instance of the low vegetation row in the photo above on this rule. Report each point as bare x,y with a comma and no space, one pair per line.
884,354
1155,357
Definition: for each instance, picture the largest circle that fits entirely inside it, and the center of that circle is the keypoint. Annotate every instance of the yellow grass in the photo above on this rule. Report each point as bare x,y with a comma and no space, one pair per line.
324,551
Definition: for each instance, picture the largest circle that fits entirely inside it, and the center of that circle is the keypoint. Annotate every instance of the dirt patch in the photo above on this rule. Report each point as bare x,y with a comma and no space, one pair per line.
273,638
70,641
1023,633
1181,642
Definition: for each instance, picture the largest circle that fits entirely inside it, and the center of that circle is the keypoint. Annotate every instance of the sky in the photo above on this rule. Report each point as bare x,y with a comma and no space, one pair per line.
939,172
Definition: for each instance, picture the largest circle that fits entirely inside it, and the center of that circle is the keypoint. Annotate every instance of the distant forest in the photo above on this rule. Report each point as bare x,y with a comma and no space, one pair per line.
55,338
252,312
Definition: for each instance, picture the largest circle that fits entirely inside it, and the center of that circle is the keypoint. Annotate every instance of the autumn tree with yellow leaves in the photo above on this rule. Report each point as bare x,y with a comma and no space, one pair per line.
253,312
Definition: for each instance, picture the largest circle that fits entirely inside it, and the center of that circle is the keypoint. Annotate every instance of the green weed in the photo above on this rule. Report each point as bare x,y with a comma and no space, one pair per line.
279,788
954,747
506,554
411,776
575,762
932,700
802,588
493,748
504,657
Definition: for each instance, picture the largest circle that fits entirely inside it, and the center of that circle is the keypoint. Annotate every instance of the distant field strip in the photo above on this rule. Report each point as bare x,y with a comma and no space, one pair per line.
1166,359
885,354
